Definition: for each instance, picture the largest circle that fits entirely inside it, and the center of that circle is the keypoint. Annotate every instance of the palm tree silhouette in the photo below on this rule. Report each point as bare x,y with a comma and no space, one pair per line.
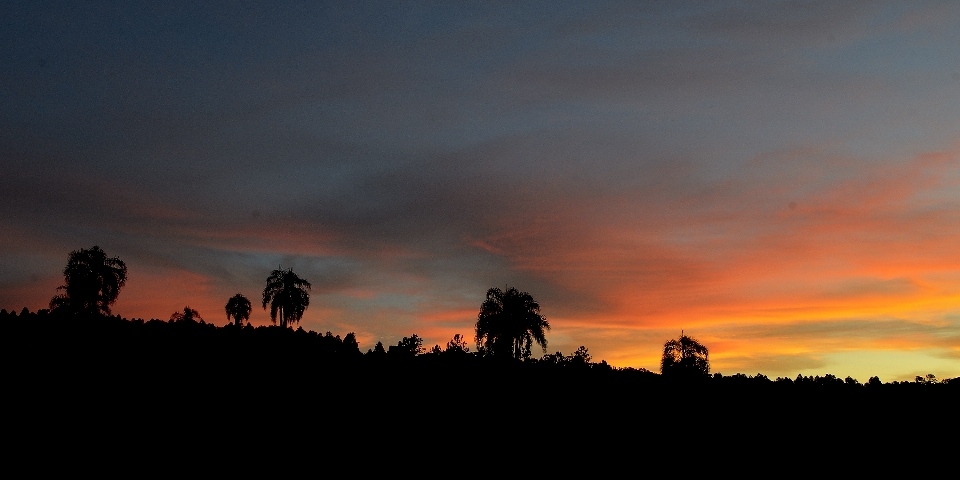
92,282
509,322
287,295
239,308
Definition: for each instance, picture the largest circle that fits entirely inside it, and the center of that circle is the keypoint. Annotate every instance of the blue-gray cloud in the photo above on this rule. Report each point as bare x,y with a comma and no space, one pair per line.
453,147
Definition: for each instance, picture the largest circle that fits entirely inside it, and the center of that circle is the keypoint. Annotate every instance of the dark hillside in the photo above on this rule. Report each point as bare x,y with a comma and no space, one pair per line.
137,378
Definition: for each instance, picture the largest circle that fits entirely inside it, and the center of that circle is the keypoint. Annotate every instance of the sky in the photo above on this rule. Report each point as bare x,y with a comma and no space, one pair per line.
778,180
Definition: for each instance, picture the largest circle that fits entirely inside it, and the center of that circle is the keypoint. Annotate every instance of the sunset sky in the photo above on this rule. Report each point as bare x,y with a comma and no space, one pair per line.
780,180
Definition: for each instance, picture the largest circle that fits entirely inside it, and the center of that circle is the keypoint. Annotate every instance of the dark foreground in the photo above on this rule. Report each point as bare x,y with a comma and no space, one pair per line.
134,386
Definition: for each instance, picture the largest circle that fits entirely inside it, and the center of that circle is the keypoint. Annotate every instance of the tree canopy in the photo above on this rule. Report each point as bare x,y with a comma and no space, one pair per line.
509,323
92,282
239,308
187,315
409,346
457,345
684,357
288,296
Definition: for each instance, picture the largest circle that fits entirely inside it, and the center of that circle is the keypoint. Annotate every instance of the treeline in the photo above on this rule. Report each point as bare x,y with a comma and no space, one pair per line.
183,344
181,385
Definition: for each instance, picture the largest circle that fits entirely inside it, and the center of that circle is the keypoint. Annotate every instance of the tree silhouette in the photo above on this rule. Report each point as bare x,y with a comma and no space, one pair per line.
409,346
187,315
92,282
239,308
556,358
508,324
350,343
581,356
684,357
287,295
457,345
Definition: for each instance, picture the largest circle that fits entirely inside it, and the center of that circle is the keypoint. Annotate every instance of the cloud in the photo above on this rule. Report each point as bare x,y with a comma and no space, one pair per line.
770,365
785,174
818,23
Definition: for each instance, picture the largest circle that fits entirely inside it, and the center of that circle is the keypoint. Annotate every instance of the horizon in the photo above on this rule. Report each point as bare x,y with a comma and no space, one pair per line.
777,181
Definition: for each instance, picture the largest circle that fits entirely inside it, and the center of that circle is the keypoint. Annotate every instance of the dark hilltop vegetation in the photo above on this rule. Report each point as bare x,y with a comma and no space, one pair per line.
78,363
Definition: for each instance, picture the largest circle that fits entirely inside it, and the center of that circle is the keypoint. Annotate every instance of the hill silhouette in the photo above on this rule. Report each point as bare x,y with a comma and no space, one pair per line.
178,394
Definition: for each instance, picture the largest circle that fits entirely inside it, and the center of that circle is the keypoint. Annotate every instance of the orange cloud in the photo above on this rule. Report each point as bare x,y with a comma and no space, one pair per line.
877,243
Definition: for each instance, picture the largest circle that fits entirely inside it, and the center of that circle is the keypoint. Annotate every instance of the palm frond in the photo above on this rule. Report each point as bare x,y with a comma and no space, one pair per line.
509,323
287,295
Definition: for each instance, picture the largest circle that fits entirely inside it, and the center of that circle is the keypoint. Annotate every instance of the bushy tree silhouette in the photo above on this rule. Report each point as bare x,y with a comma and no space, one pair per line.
508,324
556,358
457,345
409,346
287,295
239,308
350,343
187,315
581,356
684,357
92,282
